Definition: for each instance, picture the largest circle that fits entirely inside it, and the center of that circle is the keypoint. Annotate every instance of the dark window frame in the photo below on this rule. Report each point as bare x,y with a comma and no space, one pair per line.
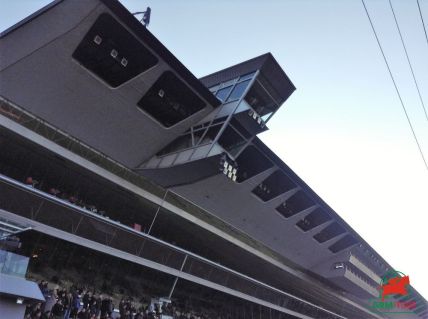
170,100
112,53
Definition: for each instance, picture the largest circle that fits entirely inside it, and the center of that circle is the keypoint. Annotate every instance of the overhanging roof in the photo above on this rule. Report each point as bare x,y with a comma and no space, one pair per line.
19,287
283,166
269,69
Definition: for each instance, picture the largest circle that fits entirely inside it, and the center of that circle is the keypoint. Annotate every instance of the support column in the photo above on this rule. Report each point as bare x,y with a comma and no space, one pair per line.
176,278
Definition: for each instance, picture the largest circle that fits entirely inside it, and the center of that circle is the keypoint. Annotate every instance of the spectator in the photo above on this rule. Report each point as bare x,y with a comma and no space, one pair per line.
83,314
86,299
75,304
53,191
68,304
58,310
106,307
29,181
94,307
73,199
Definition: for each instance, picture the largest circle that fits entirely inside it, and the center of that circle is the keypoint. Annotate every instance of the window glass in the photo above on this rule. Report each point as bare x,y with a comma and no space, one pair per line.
251,162
247,76
230,140
170,100
223,93
260,100
180,143
210,134
238,90
230,82
112,53
274,185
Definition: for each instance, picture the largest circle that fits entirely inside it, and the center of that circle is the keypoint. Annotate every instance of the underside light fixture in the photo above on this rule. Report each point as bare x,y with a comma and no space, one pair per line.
114,53
228,168
339,266
98,40
19,301
256,117
161,93
124,62
264,188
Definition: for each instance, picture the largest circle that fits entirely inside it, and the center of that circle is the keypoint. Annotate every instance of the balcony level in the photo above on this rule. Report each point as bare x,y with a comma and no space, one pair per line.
58,218
83,192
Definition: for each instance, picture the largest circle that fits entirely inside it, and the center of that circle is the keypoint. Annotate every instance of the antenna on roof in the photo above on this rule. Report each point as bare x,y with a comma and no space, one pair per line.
145,19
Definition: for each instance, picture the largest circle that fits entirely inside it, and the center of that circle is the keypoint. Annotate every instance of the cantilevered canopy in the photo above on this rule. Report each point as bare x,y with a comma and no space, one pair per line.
11,286
271,76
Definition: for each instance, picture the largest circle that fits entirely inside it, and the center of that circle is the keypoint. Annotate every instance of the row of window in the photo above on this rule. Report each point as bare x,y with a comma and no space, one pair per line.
278,183
252,162
114,55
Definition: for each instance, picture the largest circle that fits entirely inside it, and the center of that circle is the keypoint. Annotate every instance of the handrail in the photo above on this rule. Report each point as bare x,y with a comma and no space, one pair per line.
127,174
90,214
137,180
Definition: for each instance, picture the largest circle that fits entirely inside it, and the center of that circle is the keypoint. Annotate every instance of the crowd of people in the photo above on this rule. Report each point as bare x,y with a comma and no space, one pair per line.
72,303
70,197
73,198
82,303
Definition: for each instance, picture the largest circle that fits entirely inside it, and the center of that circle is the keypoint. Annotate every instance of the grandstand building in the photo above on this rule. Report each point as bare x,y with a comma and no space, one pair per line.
122,170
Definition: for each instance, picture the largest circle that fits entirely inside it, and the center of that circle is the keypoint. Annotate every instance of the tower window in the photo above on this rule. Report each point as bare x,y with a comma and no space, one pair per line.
295,204
329,232
112,53
276,184
343,243
314,219
170,101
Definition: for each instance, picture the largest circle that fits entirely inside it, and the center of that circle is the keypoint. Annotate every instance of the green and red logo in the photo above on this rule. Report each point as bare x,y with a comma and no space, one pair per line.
394,283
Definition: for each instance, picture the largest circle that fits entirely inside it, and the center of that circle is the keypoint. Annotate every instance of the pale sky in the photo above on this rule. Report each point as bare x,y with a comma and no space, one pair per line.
343,131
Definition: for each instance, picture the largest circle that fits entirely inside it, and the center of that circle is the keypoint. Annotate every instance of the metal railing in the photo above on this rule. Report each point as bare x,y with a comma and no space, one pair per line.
44,208
48,131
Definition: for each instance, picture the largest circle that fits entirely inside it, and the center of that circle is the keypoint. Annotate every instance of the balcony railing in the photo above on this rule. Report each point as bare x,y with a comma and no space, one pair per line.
49,210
